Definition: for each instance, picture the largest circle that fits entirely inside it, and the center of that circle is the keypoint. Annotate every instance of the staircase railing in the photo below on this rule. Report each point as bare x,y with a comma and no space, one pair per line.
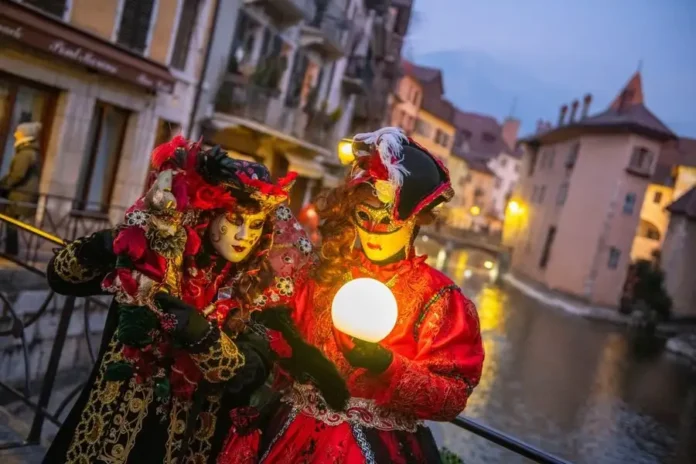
15,323
18,326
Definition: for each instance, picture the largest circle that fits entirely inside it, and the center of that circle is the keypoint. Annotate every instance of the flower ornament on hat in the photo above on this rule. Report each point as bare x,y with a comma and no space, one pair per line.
245,181
406,177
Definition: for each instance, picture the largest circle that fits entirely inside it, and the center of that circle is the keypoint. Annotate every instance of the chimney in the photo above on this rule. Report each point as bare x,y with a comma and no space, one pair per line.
573,111
511,128
562,115
586,105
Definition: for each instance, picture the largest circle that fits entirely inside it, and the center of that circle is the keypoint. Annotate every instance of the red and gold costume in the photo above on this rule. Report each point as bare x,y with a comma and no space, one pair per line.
434,354
160,391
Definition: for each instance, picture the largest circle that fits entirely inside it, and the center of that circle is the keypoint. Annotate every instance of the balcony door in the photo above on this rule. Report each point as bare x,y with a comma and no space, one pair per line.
102,154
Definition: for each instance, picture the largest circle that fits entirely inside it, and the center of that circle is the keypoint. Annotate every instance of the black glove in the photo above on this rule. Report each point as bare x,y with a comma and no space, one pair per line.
307,362
257,364
97,250
359,353
371,356
191,325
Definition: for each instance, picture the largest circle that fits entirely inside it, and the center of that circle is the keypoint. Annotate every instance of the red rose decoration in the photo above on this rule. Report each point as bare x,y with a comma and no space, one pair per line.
205,196
278,344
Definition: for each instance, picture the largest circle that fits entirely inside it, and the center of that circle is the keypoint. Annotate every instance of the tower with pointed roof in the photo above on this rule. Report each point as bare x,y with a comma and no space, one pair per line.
583,184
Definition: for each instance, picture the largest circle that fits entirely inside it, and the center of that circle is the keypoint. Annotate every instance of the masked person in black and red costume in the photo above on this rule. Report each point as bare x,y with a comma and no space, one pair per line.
208,245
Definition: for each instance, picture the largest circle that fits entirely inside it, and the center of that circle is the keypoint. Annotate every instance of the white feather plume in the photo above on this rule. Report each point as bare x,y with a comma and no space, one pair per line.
389,143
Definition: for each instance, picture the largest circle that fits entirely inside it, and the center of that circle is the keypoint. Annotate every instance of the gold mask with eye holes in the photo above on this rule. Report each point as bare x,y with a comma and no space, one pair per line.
382,236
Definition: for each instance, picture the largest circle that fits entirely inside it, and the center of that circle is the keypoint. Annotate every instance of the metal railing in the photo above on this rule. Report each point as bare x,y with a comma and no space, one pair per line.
15,326
237,97
57,215
18,325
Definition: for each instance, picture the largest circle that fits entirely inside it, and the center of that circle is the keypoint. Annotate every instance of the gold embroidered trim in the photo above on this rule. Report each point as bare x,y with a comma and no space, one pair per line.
67,266
307,400
112,418
220,361
201,445
178,416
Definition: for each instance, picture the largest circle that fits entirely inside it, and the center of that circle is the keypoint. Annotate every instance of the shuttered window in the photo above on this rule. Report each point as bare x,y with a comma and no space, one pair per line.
52,7
187,23
134,28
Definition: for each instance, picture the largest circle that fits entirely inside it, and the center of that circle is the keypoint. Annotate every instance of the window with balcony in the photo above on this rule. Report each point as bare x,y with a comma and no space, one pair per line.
572,157
542,194
55,8
184,33
135,24
562,194
629,203
242,44
423,128
533,158
614,257
441,138
641,161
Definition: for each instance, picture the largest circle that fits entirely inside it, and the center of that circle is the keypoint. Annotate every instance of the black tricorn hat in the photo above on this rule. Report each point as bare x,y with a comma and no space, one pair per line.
419,181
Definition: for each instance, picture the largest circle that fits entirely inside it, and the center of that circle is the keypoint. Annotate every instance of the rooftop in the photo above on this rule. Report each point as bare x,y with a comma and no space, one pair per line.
685,205
482,134
626,114
680,152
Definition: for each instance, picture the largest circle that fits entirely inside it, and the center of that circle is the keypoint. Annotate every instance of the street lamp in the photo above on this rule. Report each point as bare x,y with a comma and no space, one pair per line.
515,208
345,151
475,210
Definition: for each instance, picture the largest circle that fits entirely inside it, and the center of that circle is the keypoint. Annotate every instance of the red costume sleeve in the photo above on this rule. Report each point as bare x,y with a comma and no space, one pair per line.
437,382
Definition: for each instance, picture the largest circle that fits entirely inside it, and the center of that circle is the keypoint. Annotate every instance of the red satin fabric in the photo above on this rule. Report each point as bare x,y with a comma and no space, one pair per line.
438,358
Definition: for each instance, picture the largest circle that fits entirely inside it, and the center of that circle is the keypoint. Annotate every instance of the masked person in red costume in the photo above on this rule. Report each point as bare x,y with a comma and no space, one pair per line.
426,368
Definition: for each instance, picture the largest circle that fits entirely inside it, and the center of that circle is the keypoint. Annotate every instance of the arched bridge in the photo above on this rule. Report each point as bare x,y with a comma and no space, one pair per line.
455,238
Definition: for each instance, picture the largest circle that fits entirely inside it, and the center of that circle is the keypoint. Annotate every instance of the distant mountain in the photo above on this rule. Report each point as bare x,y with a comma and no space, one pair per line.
479,82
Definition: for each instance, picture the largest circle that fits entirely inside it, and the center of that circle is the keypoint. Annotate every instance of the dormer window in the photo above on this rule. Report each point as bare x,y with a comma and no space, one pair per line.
641,161
488,137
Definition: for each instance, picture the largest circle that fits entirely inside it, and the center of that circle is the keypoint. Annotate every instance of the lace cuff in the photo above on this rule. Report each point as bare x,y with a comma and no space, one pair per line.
68,267
217,356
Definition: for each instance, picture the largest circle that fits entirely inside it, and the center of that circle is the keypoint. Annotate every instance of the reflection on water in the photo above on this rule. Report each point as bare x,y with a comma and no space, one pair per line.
586,391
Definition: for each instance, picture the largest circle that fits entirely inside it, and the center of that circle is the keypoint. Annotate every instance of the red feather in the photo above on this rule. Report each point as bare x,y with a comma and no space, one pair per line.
165,152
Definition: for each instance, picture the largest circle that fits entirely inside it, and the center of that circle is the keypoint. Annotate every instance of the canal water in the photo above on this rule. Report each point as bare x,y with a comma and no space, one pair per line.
586,391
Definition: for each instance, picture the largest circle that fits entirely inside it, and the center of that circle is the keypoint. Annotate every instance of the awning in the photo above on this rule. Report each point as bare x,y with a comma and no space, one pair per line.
221,121
305,167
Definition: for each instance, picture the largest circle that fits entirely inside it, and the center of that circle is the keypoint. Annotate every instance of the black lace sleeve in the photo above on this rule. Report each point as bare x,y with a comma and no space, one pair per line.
79,267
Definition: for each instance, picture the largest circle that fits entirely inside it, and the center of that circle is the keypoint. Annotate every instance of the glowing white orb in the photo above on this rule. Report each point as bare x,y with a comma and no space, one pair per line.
366,309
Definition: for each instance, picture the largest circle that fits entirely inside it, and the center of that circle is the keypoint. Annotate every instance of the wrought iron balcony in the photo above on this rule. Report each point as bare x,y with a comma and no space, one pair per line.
326,33
394,48
286,13
380,6
237,97
359,74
